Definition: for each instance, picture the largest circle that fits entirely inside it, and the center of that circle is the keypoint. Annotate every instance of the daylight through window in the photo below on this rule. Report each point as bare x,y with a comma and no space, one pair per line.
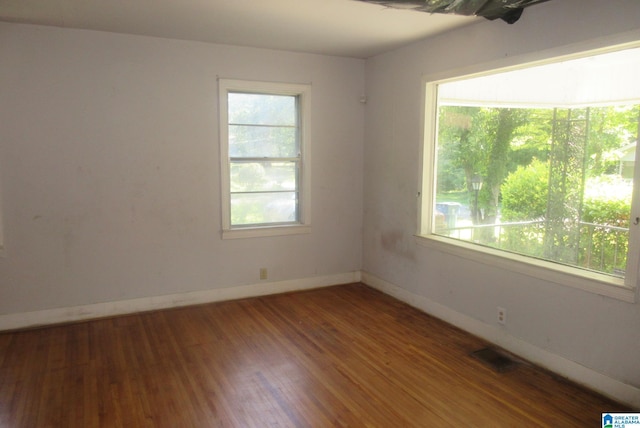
540,162
263,144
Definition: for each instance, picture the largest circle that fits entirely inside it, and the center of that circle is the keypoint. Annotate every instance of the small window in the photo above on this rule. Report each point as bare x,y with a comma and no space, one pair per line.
264,155
538,164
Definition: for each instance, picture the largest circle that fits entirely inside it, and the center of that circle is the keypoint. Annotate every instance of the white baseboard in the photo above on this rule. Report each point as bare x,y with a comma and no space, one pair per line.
605,385
122,307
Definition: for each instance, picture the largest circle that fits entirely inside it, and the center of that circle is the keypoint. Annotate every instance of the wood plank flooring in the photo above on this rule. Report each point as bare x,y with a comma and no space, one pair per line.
338,356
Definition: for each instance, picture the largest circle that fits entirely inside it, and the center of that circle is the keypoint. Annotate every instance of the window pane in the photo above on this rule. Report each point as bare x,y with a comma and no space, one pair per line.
261,141
263,176
262,109
524,168
262,208
557,186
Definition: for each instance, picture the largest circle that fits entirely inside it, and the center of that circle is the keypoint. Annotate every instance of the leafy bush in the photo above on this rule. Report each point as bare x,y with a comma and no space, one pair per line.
607,201
524,193
600,240
607,204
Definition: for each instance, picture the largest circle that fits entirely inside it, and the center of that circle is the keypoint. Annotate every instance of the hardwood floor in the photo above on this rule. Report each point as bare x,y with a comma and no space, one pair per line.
338,356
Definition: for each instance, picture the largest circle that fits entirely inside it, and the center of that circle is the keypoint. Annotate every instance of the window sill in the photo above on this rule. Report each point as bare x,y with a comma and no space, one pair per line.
592,282
259,232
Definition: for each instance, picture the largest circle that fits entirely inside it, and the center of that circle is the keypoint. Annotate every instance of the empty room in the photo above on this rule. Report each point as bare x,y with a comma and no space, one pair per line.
318,213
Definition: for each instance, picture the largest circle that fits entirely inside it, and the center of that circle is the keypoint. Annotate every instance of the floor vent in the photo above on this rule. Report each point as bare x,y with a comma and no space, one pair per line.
497,360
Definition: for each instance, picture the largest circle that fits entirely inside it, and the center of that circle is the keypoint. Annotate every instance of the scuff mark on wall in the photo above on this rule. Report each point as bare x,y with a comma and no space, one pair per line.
395,242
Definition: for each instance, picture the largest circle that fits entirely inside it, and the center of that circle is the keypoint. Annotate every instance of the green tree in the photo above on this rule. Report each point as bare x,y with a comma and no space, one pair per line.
502,125
531,139
610,128
477,140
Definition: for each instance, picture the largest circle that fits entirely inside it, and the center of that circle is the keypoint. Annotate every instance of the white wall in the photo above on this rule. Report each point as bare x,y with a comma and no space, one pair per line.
598,333
110,168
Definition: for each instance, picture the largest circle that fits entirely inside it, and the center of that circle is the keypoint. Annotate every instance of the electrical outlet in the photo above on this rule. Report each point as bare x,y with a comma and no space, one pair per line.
502,316
263,273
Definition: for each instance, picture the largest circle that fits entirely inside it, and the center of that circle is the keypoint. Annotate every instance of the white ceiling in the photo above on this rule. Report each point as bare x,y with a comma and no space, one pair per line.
334,27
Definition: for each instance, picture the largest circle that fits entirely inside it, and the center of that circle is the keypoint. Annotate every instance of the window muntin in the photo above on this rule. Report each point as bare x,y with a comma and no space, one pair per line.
567,129
263,125
264,154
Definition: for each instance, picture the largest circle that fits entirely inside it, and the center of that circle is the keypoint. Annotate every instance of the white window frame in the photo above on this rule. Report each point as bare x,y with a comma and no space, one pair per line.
623,289
303,92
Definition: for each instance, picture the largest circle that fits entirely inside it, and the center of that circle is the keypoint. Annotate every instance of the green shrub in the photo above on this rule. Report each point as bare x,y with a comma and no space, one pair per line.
600,240
607,204
607,201
524,193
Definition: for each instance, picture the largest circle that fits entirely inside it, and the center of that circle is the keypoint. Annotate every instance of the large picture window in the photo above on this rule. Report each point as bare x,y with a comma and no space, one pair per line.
264,148
539,163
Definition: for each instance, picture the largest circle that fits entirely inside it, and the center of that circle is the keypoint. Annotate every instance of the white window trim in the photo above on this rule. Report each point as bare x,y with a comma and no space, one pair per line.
605,285
304,93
